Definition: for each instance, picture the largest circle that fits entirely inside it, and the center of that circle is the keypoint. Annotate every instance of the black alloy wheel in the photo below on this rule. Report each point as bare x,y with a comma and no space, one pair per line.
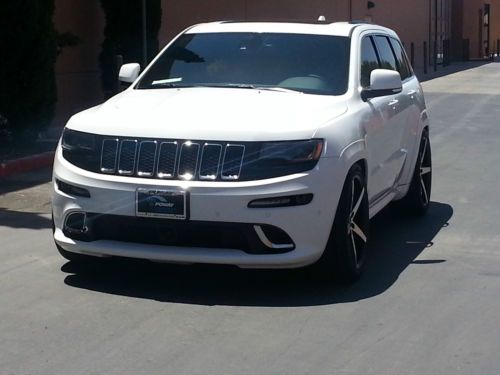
417,200
345,254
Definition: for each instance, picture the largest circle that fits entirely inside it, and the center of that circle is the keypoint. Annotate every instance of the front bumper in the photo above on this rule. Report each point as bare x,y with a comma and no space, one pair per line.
215,202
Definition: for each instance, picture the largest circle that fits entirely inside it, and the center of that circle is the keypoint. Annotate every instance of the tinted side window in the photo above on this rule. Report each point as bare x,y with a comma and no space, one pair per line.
369,61
403,67
387,59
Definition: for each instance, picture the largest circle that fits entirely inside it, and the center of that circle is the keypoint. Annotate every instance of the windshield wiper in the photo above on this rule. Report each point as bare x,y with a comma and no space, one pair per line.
277,88
176,85
171,85
252,87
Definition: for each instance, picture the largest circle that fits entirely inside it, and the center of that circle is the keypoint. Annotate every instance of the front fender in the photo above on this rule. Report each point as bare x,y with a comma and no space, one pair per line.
351,154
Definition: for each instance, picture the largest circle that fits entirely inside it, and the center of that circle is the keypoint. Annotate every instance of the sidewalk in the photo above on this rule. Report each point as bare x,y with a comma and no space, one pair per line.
454,67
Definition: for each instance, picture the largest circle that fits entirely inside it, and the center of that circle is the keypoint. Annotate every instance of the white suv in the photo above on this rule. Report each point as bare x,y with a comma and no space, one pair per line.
261,145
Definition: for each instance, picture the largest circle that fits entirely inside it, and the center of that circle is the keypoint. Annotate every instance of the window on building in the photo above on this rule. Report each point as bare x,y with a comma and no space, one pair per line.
369,61
403,66
387,59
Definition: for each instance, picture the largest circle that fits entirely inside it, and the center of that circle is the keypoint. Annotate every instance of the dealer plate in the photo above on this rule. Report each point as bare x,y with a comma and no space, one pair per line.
169,204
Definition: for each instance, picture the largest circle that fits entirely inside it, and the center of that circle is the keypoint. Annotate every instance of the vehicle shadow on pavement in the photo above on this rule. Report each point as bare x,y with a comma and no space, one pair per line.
26,220
394,245
25,180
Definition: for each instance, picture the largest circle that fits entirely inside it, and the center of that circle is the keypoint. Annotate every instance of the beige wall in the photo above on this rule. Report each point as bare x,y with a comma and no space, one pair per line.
411,23
495,24
472,26
298,10
177,15
77,69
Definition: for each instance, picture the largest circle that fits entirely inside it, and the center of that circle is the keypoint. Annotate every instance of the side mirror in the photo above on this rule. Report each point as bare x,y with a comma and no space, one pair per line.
129,72
383,82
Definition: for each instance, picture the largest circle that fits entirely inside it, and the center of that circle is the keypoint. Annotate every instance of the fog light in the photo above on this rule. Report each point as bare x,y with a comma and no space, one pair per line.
274,238
75,223
288,201
72,190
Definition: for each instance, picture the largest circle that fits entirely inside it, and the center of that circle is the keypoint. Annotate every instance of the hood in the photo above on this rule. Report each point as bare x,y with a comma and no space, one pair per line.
228,114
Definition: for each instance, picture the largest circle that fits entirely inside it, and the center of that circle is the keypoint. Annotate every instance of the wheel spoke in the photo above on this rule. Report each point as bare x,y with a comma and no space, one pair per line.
424,150
358,203
354,250
356,229
424,191
425,170
352,197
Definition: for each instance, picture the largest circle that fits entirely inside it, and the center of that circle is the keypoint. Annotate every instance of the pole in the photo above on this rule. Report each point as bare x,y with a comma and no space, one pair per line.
425,58
412,54
487,9
435,34
430,33
144,35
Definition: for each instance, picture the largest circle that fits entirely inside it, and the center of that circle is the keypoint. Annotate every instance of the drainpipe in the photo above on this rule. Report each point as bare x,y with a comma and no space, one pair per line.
430,30
435,33
487,8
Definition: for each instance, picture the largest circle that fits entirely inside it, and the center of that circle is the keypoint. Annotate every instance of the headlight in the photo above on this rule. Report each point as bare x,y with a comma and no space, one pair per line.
275,159
80,149
291,152
77,141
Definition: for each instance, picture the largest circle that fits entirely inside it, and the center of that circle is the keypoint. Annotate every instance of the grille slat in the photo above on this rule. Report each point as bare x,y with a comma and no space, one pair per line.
109,155
126,163
233,160
147,156
210,160
188,160
172,159
167,158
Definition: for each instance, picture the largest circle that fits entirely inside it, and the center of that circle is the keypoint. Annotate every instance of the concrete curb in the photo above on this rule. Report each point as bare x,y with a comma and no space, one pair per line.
26,164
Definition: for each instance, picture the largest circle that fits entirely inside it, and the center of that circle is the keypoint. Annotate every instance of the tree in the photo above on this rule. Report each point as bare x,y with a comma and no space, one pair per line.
28,48
123,36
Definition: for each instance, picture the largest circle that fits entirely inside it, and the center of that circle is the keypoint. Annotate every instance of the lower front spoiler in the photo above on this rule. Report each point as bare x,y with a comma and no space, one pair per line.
188,255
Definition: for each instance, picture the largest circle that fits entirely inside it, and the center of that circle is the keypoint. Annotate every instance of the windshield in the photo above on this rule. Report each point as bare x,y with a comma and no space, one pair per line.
316,64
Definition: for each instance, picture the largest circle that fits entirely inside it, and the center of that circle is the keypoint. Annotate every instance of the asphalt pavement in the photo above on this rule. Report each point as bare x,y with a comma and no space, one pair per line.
429,302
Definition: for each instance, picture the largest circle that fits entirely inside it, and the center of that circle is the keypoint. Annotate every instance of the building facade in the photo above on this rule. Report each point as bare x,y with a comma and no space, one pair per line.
77,68
431,31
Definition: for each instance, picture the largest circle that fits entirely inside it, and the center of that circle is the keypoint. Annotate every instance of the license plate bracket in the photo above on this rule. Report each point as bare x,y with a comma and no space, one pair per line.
159,203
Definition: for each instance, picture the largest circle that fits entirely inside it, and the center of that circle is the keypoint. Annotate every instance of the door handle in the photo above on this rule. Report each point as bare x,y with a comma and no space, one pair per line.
412,93
393,103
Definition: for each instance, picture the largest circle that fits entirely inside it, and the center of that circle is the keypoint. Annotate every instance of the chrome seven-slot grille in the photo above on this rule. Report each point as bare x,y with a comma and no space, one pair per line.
186,160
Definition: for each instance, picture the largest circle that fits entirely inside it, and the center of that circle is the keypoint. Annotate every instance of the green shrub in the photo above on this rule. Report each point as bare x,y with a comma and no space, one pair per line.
28,54
123,36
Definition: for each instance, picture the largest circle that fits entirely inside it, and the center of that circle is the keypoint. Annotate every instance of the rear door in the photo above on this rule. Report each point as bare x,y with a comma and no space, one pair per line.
410,98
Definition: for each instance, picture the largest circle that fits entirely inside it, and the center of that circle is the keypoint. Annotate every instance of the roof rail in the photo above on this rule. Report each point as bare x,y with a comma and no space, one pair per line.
277,20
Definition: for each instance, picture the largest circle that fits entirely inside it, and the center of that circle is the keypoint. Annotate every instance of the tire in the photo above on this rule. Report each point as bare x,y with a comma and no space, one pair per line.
417,200
345,253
